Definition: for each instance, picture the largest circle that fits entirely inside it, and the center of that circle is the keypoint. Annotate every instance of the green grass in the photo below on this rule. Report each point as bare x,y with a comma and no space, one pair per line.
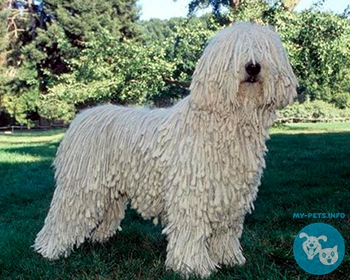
308,170
297,128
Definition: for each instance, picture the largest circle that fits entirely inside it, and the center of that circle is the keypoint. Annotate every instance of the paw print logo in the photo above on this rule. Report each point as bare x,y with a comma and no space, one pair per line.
319,248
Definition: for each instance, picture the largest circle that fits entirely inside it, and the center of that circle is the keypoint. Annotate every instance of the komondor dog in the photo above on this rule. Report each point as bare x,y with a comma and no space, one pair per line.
196,165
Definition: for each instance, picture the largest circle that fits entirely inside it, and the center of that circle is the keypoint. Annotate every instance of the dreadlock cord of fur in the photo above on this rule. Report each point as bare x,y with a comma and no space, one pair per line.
196,165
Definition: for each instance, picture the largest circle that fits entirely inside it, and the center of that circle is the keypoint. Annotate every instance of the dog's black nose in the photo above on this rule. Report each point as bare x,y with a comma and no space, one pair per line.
253,69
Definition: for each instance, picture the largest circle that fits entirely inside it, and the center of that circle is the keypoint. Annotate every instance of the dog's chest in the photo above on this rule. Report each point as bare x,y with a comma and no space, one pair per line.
235,160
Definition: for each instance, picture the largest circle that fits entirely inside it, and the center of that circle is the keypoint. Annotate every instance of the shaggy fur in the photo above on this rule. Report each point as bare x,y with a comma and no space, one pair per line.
196,165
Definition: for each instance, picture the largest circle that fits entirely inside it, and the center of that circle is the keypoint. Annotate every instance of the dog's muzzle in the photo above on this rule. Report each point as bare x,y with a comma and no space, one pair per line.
252,70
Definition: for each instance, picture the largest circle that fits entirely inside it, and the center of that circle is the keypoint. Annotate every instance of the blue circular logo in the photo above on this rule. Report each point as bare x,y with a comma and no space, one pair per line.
319,248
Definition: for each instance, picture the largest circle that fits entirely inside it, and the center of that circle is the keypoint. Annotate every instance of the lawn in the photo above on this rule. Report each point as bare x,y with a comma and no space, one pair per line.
308,171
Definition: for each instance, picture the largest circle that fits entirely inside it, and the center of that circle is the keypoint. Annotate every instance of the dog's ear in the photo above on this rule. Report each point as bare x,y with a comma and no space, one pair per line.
322,237
303,234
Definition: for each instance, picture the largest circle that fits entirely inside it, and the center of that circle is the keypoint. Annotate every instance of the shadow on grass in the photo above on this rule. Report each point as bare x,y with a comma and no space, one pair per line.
305,173
26,175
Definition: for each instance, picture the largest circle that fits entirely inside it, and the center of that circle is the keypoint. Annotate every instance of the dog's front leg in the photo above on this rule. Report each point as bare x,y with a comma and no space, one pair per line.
188,237
224,247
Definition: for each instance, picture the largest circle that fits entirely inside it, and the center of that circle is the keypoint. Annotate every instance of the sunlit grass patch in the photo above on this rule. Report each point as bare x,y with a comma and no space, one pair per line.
297,128
19,137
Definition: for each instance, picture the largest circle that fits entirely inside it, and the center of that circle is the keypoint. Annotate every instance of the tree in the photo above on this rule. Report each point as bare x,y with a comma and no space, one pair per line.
222,8
43,38
17,74
124,73
157,30
184,39
71,24
72,56
217,5
153,71
185,46
317,43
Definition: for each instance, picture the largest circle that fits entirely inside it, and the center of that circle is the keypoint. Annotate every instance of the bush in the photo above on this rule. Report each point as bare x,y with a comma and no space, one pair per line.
315,111
341,100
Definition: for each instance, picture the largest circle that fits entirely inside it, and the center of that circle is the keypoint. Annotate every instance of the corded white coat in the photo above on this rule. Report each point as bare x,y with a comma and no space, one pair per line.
196,165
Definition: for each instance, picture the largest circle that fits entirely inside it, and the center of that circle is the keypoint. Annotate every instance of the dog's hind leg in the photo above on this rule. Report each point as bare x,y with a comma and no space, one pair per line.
79,211
70,221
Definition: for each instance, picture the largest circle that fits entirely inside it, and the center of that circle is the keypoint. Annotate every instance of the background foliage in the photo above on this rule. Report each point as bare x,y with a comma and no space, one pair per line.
70,55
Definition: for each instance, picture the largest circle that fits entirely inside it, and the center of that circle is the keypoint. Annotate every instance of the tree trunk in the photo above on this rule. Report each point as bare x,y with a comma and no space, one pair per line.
235,3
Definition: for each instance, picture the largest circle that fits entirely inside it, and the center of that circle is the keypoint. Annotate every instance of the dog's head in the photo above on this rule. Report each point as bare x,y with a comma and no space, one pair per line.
311,245
244,61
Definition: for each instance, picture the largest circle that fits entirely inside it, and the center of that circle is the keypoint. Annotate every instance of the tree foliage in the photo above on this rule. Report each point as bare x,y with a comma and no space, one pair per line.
318,44
222,8
41,42
106,71
143,72
82,54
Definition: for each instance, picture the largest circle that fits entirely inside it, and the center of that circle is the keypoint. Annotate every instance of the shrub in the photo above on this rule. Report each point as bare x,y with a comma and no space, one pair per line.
315,111
341,100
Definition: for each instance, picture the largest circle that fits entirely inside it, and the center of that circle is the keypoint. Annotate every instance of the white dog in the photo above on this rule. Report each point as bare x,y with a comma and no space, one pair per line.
196,165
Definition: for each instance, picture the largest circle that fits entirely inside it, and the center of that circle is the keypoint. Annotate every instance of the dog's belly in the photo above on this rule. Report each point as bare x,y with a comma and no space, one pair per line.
231,206
148,205
146,190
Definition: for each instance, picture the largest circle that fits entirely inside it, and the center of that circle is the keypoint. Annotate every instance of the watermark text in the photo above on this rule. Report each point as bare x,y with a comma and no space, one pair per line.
318,215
